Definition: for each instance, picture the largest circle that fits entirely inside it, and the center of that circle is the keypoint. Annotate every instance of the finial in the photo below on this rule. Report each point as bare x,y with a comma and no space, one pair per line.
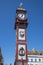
21,3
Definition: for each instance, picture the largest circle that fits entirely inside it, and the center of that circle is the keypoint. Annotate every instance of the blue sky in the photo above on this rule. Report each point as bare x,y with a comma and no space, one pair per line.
8,34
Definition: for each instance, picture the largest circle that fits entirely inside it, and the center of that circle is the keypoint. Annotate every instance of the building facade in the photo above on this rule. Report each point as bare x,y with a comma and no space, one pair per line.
35,57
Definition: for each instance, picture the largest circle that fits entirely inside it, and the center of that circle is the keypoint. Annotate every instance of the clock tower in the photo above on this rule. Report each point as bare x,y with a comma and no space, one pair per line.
20,27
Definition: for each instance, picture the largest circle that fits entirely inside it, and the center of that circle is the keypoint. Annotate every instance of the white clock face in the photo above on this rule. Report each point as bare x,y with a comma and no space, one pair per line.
21,52
21,34
21,16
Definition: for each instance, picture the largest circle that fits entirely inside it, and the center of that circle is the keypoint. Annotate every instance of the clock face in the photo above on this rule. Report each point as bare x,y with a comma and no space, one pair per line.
21,52
22,16
21,34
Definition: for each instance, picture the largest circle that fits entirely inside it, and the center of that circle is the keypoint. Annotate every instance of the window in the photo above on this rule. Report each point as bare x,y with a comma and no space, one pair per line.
31,60
39,60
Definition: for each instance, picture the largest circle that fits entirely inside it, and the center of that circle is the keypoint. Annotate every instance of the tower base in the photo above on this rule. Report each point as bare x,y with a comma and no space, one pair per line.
20,63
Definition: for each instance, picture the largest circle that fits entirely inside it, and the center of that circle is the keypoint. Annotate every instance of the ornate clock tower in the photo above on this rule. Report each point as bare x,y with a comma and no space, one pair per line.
20,27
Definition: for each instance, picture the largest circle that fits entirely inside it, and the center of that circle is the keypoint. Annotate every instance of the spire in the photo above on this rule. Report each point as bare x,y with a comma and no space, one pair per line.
1,57
0,51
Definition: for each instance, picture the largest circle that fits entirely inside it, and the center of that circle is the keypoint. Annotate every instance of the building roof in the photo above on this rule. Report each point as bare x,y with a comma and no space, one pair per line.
35,52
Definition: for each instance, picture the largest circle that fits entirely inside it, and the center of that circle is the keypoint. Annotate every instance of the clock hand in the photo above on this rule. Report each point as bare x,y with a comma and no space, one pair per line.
22,15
